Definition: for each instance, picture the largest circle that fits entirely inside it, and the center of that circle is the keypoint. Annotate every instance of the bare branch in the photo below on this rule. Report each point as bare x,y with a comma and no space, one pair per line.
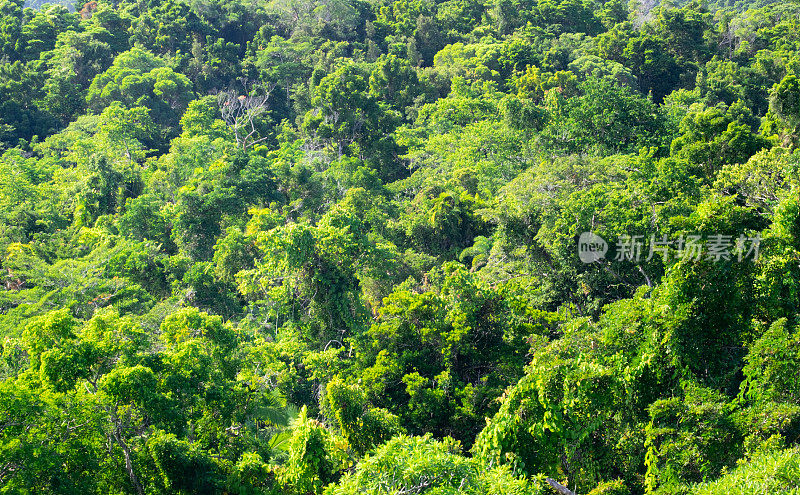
241,112
559,487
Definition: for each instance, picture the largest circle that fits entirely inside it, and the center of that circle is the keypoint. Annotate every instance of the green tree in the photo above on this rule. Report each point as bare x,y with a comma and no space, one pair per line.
421,463
712,137
137,78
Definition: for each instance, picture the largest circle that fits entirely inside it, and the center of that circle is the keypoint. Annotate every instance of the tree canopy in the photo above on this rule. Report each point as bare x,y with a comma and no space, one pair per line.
337,247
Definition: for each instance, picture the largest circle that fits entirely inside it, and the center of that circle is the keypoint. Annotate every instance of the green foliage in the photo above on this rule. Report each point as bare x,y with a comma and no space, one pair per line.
312,462
689,439
362,426
316,247
348,119
773,471
181,467
785,100
441,350
137,78
772,366
606,116
616,487
556,418
421,463
712,137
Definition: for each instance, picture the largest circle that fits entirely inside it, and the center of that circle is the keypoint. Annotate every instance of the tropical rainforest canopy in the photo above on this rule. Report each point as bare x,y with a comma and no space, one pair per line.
398,247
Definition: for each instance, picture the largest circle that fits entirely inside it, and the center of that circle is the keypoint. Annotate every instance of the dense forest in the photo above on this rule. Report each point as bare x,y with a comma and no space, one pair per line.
399,247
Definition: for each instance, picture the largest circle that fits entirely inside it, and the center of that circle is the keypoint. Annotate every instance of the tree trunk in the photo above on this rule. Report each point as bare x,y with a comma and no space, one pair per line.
559,487
126,452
